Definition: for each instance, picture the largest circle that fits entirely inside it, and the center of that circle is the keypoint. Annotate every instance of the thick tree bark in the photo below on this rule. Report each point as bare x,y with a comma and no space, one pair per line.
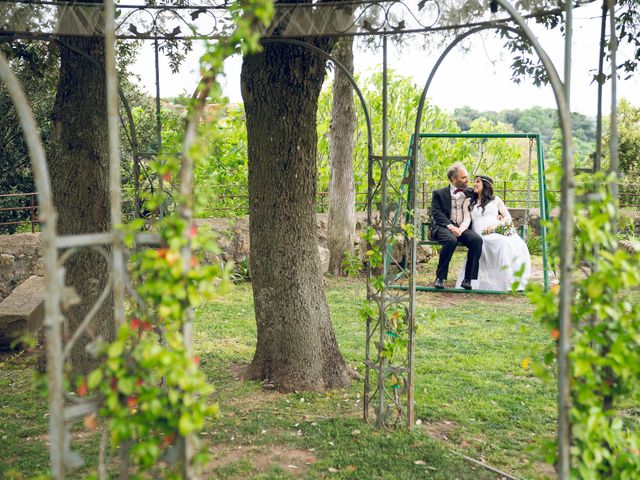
342,192
79,176
296,347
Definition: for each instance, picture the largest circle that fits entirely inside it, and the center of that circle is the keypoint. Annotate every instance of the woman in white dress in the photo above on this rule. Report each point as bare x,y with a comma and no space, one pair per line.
505,258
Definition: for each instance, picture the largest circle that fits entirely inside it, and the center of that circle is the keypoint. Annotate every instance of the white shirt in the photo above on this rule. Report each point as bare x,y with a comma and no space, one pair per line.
456,195
457,209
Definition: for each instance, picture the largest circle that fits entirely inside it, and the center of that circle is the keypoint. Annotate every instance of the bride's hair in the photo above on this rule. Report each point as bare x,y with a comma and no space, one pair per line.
487,192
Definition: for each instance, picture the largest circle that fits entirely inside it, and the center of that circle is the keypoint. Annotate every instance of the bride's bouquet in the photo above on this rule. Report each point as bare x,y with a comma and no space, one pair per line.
505,229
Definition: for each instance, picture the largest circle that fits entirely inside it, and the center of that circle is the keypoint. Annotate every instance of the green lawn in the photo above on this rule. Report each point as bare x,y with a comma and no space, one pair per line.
472,394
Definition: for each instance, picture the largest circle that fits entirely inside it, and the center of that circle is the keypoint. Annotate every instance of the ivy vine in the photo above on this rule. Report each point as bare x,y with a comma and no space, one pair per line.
605,339
150,390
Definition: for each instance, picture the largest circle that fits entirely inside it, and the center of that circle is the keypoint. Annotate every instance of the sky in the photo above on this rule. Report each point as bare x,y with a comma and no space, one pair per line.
476,74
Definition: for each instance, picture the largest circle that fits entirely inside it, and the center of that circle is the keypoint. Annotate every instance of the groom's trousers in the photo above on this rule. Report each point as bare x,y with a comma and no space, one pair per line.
449,242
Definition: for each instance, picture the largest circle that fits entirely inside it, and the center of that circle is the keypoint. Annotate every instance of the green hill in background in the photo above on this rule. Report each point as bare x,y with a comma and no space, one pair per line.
535,119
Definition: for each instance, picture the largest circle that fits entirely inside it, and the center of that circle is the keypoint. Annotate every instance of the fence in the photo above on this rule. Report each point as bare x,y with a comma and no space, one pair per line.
18,209
232,200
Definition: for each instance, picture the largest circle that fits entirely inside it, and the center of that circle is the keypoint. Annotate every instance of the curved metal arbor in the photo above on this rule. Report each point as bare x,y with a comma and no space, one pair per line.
214,20
64,408
388,387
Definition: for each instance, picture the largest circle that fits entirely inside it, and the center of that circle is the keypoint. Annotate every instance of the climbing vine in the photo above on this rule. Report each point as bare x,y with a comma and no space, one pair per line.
392,347
605,339
150,391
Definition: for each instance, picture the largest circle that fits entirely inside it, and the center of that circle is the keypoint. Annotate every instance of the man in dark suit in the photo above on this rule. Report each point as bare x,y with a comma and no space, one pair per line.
447,216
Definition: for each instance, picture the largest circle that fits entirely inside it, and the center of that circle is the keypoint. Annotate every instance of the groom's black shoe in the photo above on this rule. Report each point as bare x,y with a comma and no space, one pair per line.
439,283
466,284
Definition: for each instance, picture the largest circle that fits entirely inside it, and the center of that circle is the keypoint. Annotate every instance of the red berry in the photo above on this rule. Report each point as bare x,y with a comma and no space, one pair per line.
82,388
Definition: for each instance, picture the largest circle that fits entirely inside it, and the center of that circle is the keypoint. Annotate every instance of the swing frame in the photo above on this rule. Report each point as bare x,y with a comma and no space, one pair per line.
544,205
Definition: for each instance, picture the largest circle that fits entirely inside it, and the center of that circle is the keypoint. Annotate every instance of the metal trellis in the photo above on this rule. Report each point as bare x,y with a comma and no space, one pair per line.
388,384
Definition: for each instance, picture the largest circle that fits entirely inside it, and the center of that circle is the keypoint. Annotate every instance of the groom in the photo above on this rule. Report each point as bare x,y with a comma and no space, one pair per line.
447,214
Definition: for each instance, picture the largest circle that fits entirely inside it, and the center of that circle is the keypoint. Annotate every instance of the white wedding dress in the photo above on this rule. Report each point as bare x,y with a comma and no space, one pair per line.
503,258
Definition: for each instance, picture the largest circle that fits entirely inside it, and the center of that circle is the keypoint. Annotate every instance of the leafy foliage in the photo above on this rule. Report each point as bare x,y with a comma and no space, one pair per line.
582,152
35,66
627,29
149,388
469,384
395,319
628,138
241,271
605,359
531,120
152,157
221,181
351,264
402,103
526,63
497,157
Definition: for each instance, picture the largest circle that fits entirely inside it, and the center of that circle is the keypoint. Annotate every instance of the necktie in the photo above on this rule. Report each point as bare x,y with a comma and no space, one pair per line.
458,190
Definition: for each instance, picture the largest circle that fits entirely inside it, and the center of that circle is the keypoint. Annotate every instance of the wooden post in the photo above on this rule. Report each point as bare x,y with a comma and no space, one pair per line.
31,213
504,193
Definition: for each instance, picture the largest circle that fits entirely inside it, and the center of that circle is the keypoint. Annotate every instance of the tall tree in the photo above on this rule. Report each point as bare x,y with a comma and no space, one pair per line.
629,137
296,348
342,191
79,177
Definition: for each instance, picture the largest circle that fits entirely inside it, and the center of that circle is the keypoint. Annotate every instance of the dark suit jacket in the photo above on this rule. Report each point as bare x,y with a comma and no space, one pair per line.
441,208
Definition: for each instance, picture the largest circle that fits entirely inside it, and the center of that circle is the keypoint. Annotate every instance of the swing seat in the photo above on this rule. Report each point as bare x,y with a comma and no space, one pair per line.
425,227
523,232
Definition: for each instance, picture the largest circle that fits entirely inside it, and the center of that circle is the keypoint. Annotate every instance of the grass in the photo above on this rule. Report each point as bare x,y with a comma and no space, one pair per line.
472,397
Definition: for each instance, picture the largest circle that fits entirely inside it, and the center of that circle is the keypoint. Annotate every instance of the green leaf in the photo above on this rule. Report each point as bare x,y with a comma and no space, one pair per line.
125,385
115,349
185,425
594,289
94,379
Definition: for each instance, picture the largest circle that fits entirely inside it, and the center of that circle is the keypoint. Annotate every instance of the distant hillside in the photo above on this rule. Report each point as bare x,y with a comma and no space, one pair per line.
535,119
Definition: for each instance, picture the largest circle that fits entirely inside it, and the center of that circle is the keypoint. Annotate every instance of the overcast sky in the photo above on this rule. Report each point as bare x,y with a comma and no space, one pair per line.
476,74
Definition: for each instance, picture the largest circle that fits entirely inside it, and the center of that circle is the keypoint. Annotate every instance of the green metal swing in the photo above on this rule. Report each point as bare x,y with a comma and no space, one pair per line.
544,206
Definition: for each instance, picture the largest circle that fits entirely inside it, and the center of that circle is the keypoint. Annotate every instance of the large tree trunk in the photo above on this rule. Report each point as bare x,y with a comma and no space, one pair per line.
342,192
79,177
296,348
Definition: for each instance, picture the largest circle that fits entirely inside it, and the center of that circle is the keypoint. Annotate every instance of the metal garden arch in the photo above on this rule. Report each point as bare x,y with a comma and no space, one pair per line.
561,92
393,401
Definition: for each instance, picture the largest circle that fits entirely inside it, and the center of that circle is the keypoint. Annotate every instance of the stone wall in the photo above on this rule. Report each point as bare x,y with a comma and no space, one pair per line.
233,237
20,258
20,254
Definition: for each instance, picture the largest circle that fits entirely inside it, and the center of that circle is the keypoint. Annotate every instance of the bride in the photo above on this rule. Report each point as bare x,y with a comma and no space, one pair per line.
505,258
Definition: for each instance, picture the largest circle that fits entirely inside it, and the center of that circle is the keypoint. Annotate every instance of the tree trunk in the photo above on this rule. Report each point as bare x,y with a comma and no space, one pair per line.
342,192
296,347
79,176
